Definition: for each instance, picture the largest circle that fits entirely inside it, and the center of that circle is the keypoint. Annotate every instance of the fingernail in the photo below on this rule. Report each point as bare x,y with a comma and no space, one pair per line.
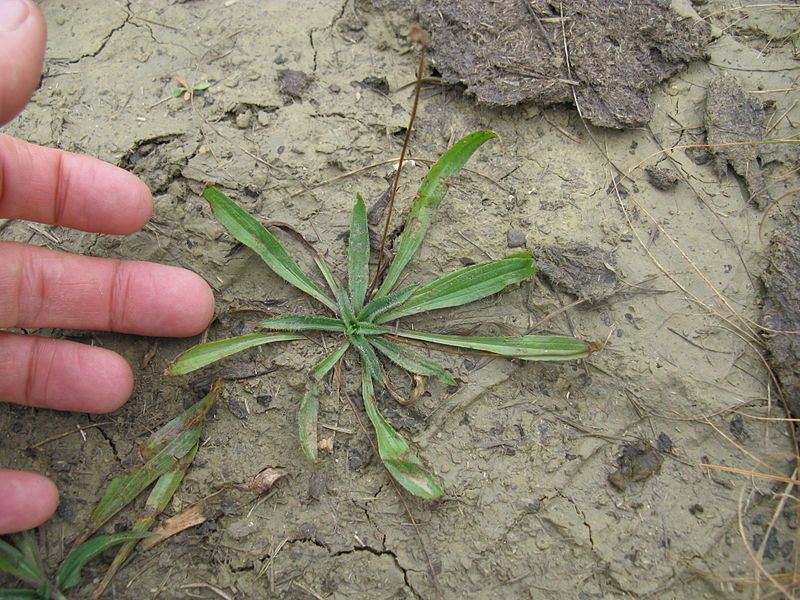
13,13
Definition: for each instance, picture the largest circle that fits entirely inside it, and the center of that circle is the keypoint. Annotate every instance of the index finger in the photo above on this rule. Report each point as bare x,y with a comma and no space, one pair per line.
61,188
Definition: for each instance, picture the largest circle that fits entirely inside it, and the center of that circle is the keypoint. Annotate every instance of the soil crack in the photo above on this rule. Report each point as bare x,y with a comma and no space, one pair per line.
106,38
110,441
581,515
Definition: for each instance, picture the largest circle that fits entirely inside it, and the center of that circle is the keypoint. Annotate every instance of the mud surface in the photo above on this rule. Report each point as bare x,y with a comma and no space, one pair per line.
782,309
511,52
300,95
732,117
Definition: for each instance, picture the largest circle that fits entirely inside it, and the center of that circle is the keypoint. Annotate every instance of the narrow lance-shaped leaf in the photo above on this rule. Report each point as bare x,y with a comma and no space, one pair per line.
369,329
411,360
14,562
205,354
318,258
187,428
24,595
327,363
300,322
358,255
369,359
346,308
70,572
255,236
525,347
25,542
309,406
307,420
380,305
429,195
395,454
465,285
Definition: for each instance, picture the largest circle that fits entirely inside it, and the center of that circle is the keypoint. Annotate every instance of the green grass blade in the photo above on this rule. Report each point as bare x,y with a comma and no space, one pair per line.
465,285
395,454
387,302
319,260
22,595
255,236
14,562
326,273
25,542
70,573
525,347
205,354
157,501
184,430
299,322
346,308
327,363
369,359
125,488
411,360
429,195
369,328
307,421
358,255
309,406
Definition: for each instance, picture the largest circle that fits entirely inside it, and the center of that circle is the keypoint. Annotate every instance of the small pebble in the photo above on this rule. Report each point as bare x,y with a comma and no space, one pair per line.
515,238
243,120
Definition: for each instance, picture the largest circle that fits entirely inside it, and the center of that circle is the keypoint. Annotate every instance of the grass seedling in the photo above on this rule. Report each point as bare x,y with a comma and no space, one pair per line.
361,318
19,556
166,455
187,91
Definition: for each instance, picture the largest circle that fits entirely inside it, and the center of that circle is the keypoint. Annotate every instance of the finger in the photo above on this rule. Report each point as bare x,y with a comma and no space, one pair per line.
22,42
57,187
26,499
62,375
45,288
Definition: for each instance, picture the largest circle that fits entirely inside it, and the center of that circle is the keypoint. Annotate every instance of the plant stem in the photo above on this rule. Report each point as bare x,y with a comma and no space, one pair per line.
417,36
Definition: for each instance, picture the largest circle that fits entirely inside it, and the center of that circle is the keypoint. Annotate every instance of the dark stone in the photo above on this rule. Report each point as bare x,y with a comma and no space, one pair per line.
515,238
379,84
664,443
238,407
736,427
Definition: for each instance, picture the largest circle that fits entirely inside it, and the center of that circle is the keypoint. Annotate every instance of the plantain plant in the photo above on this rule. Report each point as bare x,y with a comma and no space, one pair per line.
363,313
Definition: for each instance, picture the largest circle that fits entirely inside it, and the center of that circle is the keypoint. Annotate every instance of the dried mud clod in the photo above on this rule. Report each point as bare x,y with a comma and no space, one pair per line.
293,84
661,178
511,52
782,310
734,116
636,462
583,271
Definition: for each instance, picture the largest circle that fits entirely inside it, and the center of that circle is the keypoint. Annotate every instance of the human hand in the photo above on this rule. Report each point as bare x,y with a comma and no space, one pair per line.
45,288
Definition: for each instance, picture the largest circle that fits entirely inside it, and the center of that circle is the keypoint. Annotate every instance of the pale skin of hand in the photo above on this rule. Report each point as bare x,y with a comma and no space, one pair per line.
45,288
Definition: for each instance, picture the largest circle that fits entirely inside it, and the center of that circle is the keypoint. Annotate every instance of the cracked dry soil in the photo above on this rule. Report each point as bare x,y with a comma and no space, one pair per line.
524,451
